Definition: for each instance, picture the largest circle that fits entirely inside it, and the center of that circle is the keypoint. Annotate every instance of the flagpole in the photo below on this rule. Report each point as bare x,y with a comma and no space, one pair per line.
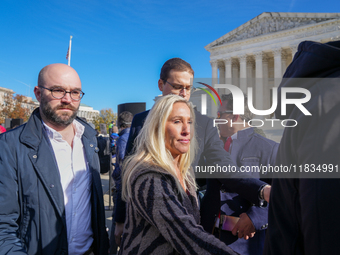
69,51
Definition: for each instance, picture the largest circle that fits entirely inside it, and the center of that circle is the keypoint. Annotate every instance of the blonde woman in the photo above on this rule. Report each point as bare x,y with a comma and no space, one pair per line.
158,186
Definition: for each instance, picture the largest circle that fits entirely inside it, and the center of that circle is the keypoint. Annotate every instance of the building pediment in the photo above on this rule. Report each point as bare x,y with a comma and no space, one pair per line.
272,22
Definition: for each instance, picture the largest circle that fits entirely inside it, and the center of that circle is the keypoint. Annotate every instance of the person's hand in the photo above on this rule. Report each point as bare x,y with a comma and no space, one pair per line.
266,192
244,227
118,232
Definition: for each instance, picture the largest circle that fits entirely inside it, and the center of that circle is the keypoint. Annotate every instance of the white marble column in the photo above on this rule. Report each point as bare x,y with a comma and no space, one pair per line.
227,65
284,63
235,73
221,79
266,89
277,66
214,66
243,73
259,80
293,49
250,73
214,72
221,70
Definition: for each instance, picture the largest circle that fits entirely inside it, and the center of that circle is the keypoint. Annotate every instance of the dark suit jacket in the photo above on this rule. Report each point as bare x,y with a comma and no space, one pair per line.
211,152
32,203
249,149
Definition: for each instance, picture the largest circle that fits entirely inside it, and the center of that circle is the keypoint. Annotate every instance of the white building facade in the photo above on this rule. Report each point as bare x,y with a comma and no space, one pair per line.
4,92
87,112
29,103
257,53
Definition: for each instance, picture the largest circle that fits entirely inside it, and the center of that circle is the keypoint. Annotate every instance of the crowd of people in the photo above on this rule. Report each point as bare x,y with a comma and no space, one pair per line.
51,194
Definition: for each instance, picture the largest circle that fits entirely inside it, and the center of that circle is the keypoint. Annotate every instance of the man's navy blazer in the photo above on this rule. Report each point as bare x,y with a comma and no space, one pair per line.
249,149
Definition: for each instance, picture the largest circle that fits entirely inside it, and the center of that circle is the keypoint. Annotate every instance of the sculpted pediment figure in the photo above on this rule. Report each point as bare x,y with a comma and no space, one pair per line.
271,22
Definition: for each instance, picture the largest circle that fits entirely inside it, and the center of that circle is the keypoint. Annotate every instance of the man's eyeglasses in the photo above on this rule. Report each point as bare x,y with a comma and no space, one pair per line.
180,87
59,93
219,114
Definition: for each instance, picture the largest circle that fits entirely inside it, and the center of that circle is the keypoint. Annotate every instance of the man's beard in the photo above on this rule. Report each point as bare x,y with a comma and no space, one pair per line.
63,119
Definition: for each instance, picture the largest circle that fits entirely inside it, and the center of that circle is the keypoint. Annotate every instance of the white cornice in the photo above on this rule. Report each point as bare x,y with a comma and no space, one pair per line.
6,90
289,37
294,21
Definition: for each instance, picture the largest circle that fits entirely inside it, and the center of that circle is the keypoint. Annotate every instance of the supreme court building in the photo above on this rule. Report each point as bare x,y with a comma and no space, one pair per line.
257,53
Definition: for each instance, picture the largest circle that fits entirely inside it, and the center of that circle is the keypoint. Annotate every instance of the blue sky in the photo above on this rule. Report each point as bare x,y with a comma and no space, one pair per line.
119,46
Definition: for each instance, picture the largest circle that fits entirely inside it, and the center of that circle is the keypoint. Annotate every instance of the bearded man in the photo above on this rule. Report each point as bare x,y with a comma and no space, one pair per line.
50,188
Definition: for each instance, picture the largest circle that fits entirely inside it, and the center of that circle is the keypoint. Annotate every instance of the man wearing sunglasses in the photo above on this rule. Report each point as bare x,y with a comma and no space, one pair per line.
50,188
176,78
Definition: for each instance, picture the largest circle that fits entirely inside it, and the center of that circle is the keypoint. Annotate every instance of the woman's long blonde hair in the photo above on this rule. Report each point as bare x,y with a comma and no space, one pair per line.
150,147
